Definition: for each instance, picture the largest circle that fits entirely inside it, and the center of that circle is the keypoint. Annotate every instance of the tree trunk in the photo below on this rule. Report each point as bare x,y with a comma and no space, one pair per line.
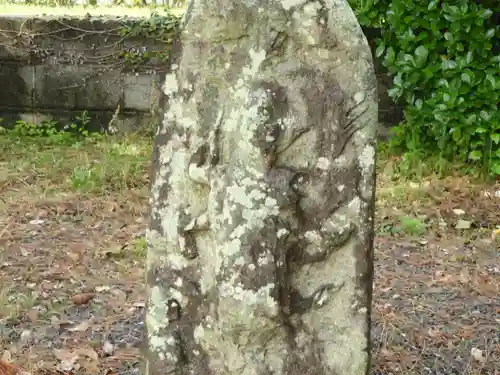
260,241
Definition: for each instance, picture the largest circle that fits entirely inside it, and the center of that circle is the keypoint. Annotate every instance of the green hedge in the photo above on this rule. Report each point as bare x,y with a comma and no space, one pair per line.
445,63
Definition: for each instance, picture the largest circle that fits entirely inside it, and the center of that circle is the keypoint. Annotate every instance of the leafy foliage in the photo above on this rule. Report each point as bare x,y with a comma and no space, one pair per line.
51,132
159,28
443,56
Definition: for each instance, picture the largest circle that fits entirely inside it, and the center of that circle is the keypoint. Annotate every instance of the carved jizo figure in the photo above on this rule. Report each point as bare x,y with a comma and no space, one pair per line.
261,229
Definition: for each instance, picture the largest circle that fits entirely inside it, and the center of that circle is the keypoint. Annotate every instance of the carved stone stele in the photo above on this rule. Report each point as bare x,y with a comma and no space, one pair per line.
260,241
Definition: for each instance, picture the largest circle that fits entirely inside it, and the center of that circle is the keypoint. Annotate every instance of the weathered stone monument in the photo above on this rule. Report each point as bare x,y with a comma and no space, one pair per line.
261,229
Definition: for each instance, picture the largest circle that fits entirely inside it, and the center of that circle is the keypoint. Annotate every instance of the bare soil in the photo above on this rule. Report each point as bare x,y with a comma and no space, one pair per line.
72,221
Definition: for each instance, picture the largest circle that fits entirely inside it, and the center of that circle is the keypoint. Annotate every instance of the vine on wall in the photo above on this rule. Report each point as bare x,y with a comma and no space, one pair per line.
157,28
125,44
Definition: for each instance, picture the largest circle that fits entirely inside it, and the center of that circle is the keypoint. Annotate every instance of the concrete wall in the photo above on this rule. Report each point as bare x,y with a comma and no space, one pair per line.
58,66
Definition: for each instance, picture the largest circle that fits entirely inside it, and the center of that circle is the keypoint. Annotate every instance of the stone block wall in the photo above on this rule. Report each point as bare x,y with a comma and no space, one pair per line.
54,67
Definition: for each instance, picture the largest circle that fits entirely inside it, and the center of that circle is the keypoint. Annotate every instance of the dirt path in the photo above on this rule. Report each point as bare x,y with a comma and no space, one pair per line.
72,252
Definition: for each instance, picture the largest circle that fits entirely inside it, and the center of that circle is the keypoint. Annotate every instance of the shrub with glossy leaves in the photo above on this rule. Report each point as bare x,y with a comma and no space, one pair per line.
444,59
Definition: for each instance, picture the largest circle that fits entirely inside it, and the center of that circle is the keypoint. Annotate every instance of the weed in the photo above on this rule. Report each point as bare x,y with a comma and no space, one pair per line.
402,225
139,247
12,302
84,178
73,159
412,226
50,132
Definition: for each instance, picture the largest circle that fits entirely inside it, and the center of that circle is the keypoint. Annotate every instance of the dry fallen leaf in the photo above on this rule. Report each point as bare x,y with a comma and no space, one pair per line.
58,323
6,357
82,327
9,369
458,211
75,257
32,315
463,224
82,298
37,222
63,354
87,352
114,251
103,288
67,359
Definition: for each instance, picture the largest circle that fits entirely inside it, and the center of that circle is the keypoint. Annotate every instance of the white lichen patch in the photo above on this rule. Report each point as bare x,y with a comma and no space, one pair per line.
239,195
256,59
313,236
230,249
158,343
250,302
178,282
367,158
170,85
223,352
175,260
306,25
169,218
287,4
337,224
282,232
323,163
359,97
165,153
156,319
264,259
240,261
367,165
156,243
160,179
177,295
198,333
199,174
315,250
354,207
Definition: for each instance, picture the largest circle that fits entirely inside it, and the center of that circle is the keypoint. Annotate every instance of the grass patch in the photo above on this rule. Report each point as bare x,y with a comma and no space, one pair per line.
12,302
139,247
64,162
417,165
412,226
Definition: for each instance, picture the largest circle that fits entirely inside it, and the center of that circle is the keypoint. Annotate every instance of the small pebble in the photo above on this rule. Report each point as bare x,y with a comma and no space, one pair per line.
26,336
108,348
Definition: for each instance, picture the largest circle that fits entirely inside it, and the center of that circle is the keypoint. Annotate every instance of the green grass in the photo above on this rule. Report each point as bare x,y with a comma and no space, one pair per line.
412,226
64,162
